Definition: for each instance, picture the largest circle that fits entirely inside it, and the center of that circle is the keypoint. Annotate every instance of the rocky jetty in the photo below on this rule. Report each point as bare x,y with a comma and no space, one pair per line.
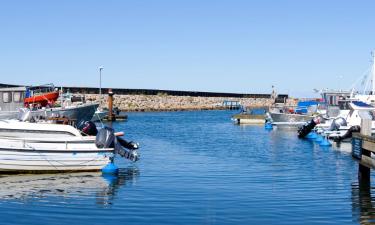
163,102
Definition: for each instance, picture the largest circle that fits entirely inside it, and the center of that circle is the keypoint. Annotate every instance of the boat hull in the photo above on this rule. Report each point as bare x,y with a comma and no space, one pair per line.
283,117
11,161
249,119
22,156
78,113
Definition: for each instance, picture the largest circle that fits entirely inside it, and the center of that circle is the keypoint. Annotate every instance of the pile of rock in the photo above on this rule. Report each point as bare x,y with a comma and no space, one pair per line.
162,102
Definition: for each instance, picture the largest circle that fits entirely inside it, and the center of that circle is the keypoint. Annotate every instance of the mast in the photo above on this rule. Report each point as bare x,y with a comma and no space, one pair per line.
373,73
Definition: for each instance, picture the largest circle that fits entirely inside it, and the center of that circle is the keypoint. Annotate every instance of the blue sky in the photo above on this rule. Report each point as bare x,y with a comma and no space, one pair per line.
213,45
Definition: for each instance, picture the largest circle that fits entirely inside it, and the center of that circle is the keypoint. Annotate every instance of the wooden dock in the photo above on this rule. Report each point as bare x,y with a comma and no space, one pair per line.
363,144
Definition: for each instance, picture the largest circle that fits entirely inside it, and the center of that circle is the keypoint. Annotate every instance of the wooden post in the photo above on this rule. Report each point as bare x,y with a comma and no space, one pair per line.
366,127
111,117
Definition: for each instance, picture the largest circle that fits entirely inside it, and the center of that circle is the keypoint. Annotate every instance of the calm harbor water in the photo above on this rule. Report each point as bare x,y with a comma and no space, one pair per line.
199,168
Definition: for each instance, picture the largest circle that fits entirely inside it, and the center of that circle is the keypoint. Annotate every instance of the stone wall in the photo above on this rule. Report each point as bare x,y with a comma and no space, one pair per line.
174,103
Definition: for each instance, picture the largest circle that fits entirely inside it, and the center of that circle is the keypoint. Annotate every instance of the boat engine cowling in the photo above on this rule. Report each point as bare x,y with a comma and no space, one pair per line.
88,128
337,123
105,138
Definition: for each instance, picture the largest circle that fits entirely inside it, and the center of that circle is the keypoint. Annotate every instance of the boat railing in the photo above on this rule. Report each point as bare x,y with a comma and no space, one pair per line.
28,144
88,139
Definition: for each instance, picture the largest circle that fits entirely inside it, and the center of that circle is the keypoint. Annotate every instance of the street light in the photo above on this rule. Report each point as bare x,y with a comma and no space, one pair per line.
100,84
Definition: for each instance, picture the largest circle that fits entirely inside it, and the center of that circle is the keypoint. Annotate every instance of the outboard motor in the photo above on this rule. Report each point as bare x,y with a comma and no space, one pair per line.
308,127
129,145
337,123
129,149
88,128
348,134
105,138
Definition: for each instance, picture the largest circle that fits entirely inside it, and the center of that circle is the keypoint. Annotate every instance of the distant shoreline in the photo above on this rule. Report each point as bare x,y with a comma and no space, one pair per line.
156,103
155,100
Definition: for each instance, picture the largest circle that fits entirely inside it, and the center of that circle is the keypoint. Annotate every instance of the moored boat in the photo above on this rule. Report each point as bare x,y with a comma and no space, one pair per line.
12,100
42,96
250,116
44,147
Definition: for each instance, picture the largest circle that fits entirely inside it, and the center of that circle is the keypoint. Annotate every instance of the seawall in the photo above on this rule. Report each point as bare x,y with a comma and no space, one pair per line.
164,102
171,100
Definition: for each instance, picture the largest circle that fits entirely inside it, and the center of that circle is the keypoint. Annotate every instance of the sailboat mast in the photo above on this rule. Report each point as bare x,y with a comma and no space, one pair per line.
373,73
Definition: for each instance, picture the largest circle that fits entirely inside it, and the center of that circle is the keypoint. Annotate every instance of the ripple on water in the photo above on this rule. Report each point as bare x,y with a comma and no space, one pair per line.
199,168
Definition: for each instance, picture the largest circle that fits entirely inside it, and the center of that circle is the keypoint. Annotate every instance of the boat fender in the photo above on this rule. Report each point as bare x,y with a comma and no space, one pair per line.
348,134
105,138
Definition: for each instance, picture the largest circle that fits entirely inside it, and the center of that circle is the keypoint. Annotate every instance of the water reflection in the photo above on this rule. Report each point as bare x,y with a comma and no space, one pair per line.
44,187
363,203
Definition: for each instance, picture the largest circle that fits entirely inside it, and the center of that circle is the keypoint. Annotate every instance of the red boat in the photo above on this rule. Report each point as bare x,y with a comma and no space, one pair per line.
40,96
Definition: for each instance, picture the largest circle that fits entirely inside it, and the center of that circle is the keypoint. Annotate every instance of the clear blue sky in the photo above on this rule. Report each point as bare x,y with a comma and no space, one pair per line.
211,45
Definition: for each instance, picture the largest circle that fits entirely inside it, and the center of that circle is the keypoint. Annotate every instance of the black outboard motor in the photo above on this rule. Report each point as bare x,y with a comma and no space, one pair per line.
105,138
348,134
88,128
308,127
129,151
129,145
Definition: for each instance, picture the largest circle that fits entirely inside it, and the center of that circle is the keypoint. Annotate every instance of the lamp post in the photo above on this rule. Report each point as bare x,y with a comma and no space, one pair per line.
100,84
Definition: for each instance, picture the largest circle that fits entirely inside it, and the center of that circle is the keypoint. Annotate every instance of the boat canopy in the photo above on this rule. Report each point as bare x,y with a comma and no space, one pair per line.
358,105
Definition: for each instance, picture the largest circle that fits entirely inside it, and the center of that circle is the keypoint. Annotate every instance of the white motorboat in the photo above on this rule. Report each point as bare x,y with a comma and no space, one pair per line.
46,147
340,130
338,127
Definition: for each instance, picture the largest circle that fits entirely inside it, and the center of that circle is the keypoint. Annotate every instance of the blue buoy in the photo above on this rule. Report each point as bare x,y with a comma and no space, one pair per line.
110,168
325,143
268,126
311,135
319,138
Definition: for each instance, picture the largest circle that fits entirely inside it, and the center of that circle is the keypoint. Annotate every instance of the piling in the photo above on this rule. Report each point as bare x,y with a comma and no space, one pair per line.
362,146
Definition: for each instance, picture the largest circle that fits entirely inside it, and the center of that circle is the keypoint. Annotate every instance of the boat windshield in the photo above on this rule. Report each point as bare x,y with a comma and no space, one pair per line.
344,105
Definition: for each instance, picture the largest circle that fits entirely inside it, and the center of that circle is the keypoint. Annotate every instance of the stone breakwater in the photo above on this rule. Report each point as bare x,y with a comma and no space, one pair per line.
174,103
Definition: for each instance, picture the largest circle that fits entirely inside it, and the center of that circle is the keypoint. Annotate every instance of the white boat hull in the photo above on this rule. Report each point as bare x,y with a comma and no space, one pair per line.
19,156
51,162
